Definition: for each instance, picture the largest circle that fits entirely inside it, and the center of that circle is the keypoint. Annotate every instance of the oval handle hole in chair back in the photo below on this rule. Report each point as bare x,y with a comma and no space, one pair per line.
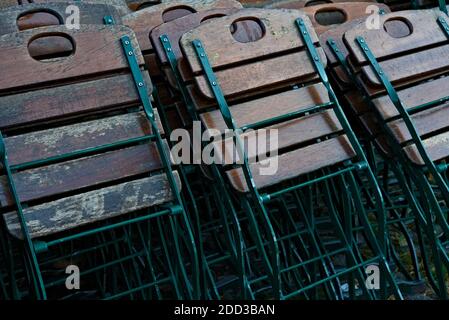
312,3
212,16
398,27
148,4
176,13
36,19
247,30
327,17
48,47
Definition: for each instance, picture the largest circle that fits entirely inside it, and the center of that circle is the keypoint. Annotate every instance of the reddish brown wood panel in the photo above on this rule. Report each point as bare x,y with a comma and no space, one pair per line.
143,21
68,100
296,163
280,35
326,17
176,28
424,29
268,107
35,15
54,142
256,76
300,4
88,59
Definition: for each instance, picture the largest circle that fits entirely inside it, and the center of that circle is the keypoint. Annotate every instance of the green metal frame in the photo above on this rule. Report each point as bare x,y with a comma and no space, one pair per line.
417,189
257,207
174,212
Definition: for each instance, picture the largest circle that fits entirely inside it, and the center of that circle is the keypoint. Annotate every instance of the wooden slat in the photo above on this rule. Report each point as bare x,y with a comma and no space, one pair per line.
289,134
268,107
256,76
281,34
143,21
425,122
176,28
437,147
89,14
413,96
296,163
69,100
300,4
119,4
412,67
351,11
82,209
53,142
70,176
98,50
426,31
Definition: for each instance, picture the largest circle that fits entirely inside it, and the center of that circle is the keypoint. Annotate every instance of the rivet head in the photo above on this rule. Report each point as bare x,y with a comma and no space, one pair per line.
169,49
214,83
198,45
140,84
316,58
126,42
130,53
304,32
365,48
332,42
362,41
165,40
202,55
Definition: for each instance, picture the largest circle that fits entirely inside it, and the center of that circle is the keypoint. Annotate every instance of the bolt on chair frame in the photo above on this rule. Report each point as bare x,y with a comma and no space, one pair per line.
260,201
184,287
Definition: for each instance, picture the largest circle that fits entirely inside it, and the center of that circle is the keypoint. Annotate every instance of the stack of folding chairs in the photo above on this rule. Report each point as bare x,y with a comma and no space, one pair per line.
315,156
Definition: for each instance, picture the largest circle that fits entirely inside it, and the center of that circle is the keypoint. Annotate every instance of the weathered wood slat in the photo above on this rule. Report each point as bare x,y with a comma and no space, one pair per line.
98,50
289,134
350,11
119,4
301,4
69,100
70,176
89,207
268,107
280,35
53,142
44,14
296,163
426,31
412,67
437,148
176,28
275,71
425,122
414,96
143,21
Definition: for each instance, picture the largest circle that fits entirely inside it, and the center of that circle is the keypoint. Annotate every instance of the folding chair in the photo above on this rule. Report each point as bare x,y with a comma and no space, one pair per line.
87,176
285,250
401,69
218,230
401,222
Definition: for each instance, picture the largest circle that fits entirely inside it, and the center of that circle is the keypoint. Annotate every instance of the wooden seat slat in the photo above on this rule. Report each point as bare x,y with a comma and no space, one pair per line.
296,163
268,107
89,207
